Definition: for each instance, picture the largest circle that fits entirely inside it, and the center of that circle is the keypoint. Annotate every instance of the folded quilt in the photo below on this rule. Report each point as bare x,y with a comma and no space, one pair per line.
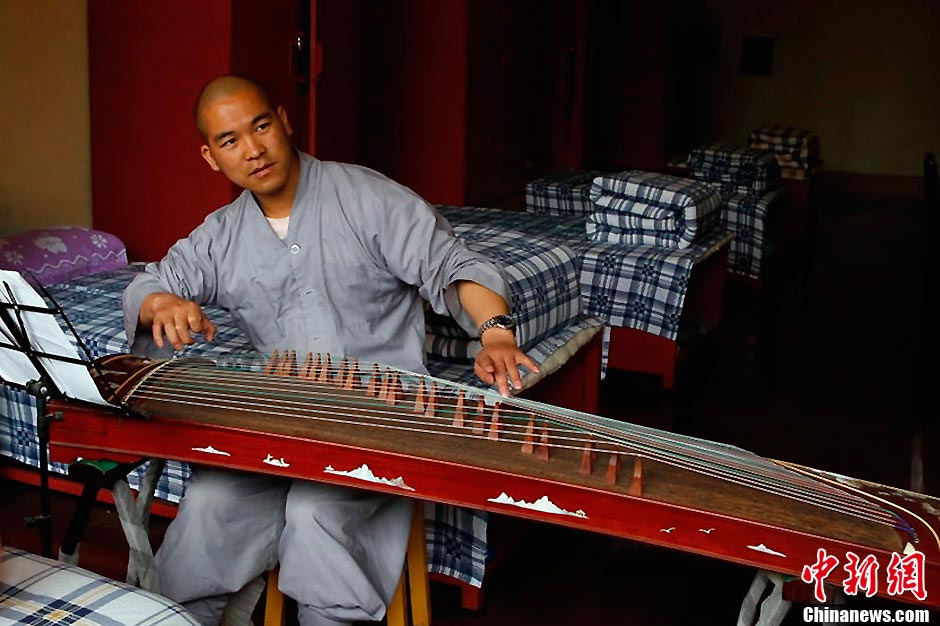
745,216
729,165
633,236
562,194
645,208
788,156
543,275
636,221
786,138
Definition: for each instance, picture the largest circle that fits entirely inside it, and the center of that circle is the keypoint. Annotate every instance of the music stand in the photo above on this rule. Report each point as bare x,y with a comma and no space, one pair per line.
36,356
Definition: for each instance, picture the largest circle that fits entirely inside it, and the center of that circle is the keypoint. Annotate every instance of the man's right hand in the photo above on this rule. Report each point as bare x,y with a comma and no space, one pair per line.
177,318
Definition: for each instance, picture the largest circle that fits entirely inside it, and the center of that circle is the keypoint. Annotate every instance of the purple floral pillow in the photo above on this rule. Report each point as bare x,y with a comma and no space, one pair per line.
55,255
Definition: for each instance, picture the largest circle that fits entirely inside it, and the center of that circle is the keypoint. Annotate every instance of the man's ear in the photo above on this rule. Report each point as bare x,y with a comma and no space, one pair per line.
281,113
207,155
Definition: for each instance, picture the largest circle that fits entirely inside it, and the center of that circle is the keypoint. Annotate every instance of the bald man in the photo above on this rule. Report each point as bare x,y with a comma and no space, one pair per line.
317,257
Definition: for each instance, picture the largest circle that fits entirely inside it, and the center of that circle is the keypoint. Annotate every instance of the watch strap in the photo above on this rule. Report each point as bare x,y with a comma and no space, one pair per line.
498,321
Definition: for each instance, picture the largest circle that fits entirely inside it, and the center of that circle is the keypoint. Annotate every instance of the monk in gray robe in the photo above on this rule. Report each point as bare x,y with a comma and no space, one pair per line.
316,257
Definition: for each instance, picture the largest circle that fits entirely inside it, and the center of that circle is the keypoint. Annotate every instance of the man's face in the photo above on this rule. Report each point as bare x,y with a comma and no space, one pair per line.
248,142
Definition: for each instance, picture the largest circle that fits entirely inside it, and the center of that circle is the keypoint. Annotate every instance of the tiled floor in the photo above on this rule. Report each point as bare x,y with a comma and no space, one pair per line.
819,367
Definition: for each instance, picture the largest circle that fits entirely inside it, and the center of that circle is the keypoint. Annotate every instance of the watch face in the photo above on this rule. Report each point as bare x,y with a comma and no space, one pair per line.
505,321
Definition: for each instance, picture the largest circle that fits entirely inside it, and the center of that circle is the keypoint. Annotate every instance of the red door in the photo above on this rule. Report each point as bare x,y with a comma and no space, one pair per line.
147,63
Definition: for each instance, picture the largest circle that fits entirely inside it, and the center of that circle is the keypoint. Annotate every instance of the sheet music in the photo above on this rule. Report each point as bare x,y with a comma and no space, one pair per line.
44,334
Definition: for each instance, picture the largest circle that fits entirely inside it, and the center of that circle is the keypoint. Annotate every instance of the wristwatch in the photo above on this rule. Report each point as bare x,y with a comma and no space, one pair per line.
498,321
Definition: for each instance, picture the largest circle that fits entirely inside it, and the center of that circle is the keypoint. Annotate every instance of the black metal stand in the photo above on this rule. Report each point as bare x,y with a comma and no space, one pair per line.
93,475
14,337
43,522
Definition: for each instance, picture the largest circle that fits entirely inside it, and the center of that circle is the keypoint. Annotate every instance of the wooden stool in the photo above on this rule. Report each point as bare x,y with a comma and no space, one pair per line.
273,602
413,591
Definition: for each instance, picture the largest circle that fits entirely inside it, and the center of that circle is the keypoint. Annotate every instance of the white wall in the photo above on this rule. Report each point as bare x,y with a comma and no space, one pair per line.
864,74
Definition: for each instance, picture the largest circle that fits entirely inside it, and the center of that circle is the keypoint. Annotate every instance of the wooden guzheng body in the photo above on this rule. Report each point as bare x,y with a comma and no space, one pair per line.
426,438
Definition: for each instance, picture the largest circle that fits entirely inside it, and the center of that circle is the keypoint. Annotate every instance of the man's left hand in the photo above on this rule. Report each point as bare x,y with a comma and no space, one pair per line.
499,360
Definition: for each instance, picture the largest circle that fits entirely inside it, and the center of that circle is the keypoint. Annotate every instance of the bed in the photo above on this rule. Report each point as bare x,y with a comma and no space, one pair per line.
648,297
779,210
554,330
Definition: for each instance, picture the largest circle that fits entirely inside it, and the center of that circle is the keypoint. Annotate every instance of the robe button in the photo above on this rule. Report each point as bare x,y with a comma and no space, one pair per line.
295,249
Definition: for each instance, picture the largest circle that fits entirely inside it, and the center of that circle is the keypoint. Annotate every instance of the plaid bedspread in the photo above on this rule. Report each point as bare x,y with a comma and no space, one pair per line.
93,304
40,591
735,168
744,215
543,281
561,194
640,287
645,208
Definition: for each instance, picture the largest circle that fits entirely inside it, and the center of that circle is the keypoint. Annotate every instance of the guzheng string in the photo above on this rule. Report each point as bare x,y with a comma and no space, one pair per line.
319,389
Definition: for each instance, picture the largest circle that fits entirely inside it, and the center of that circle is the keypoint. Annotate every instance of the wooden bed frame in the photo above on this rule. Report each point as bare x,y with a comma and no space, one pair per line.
635,350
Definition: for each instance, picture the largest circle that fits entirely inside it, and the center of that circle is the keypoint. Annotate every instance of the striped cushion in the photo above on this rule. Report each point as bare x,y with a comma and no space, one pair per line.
36,590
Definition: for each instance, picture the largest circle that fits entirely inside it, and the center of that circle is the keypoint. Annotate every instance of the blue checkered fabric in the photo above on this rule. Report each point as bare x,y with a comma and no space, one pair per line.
735,168
645,208
543,282
745,216
564,230
42,592
640,287
457,542
93,304
561,194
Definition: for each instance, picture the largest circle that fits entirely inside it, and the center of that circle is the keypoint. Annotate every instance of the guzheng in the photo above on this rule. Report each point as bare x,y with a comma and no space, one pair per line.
375,427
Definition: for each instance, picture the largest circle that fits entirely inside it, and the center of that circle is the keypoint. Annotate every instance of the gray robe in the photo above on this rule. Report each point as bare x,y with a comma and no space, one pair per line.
360,254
